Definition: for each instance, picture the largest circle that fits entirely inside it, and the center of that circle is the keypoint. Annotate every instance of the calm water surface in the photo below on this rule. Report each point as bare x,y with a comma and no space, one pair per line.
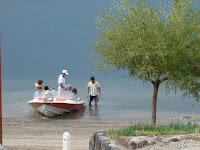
42,37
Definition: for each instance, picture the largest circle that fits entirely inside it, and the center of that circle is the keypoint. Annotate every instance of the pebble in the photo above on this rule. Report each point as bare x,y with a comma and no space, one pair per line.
186,144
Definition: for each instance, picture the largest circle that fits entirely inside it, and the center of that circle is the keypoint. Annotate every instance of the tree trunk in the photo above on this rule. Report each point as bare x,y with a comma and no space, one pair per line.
154,101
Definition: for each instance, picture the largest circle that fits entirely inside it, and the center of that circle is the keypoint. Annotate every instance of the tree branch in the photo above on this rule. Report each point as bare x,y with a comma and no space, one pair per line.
164,79
150,78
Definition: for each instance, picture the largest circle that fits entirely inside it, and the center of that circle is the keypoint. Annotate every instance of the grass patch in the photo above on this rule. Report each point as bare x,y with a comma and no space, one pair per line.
195,136
144,129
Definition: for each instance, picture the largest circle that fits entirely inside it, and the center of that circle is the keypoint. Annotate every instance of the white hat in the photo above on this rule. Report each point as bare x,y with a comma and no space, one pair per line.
65,72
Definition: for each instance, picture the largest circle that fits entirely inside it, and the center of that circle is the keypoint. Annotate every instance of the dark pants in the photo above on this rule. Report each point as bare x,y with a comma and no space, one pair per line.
95,98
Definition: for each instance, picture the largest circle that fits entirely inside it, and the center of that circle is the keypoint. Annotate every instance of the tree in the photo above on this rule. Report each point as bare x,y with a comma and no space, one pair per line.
157,46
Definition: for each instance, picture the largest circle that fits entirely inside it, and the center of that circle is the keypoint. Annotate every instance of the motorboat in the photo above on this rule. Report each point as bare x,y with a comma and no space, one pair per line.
53,103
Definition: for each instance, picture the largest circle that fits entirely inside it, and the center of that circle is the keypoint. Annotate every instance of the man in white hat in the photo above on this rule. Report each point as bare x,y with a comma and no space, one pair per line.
61,82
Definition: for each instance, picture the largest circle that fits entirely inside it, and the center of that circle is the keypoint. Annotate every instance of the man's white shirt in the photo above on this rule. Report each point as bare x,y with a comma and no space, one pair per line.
61,79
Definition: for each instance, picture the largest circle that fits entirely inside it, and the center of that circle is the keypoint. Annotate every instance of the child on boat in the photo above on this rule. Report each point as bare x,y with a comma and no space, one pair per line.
74,93
47,93
38,86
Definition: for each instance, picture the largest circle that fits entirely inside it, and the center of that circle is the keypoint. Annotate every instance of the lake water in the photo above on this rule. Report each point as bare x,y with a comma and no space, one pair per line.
42,37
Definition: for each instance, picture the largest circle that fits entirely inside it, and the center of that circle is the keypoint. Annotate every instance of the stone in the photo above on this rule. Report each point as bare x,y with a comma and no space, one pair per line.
157,138
132,145
98,144
91,143
186,136
115,147
166,140
91,147
108,147
99,141
124,141
152,142
106,141
96,134
174,139
143,143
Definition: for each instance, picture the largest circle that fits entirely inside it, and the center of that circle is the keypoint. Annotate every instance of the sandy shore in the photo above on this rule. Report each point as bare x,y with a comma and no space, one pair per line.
46,134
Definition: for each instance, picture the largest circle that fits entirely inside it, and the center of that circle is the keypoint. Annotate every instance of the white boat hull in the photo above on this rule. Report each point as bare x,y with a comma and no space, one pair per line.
50,111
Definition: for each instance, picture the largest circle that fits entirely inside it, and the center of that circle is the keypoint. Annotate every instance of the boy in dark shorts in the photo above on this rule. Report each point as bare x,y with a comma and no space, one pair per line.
93,90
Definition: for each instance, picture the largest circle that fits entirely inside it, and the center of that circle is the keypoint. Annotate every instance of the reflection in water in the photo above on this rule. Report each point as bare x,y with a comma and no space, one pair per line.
90,111
76,114
94,112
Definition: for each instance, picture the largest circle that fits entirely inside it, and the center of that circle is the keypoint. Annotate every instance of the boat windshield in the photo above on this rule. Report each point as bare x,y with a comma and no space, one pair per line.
53,94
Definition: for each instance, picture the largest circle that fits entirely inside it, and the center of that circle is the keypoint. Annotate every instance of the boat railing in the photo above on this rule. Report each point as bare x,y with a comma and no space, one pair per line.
53,94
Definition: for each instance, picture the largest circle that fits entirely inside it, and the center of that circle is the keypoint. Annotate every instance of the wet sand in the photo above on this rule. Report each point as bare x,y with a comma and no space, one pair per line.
46,134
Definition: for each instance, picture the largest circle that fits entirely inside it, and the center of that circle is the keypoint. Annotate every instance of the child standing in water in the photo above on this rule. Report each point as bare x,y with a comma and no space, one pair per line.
94,91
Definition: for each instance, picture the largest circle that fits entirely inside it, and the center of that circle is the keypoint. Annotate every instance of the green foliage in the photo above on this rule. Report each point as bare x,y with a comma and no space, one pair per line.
142,129
152,45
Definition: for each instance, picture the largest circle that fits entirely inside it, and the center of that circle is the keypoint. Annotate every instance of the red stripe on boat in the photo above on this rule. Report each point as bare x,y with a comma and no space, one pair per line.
58,105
